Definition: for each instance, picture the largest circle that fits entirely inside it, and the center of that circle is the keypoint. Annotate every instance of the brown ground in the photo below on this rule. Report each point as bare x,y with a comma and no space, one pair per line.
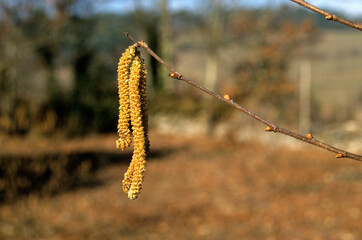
201,188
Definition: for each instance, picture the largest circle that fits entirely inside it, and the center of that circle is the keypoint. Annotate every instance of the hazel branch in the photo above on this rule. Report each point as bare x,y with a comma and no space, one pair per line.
271,127
328,16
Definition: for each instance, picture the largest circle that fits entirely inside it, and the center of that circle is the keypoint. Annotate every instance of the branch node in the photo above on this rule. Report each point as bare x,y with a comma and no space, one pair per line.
331,17
175,75
227,97
269,129
309,135
143,44
340,155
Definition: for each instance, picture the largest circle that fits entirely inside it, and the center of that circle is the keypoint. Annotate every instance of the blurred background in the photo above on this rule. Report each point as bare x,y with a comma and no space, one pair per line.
59,110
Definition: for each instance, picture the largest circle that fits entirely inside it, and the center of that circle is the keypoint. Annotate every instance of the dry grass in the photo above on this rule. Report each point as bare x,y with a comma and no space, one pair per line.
201,188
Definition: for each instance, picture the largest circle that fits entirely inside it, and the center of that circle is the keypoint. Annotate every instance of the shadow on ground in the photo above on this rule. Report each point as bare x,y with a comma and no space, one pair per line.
52,173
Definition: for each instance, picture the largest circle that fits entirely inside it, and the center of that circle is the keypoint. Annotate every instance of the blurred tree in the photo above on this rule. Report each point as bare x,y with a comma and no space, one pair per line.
51,35
157,31
15,63
263,74
165,46
215,35
146,27
214,26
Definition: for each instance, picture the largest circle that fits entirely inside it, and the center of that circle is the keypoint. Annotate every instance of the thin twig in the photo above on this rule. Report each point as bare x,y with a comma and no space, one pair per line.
270,126
328,16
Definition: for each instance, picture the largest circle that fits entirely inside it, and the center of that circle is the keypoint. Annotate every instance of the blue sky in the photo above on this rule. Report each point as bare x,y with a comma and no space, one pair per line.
351,8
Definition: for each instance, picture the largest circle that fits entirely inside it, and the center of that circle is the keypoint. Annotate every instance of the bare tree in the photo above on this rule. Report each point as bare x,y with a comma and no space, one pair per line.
165,42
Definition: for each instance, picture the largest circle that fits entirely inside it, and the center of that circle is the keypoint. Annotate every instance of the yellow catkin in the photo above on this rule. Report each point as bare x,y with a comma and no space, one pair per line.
124,105
143,85
132,182
127,180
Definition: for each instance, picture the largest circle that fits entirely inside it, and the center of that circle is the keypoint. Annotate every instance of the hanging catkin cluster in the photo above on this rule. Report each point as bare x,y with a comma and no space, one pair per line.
133,110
